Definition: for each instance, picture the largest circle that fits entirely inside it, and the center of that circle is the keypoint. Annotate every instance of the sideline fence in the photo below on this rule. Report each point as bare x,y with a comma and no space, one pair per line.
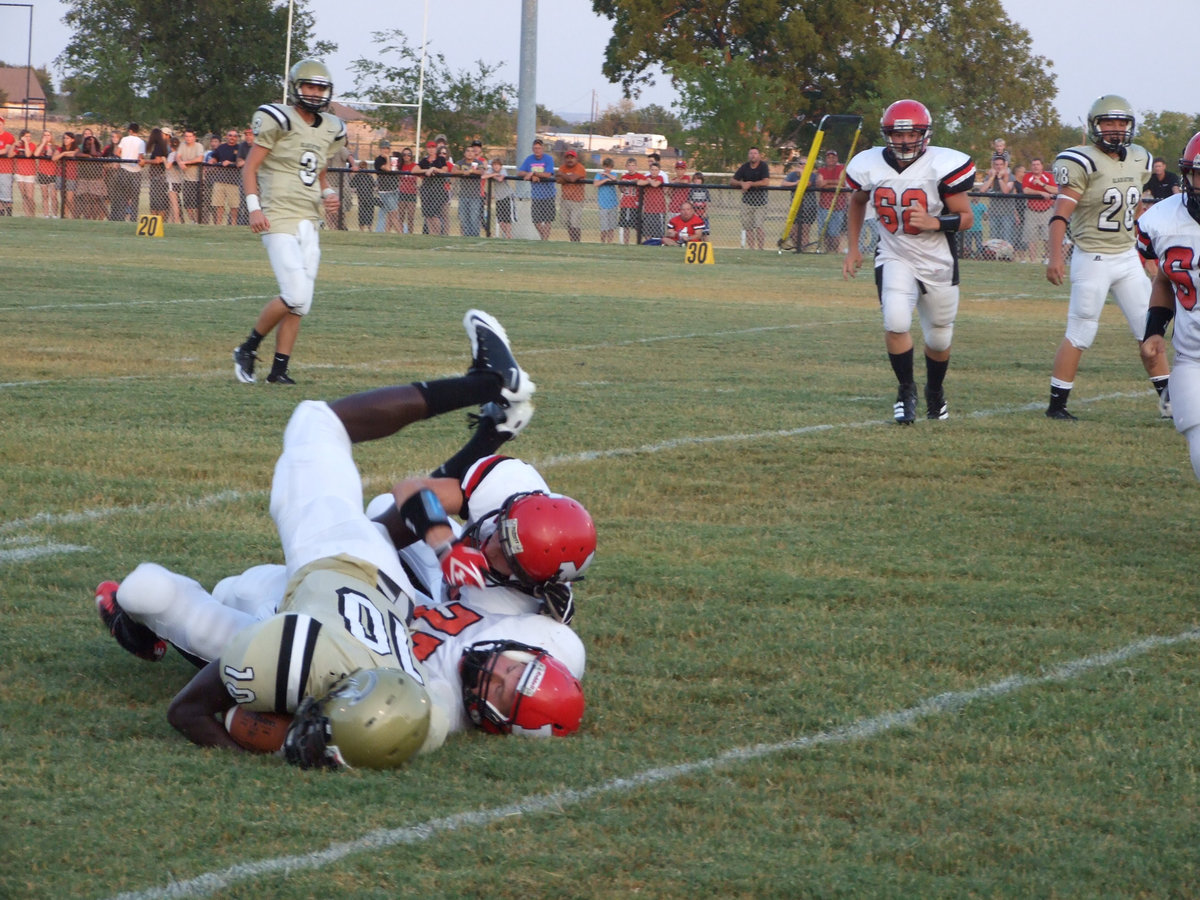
1007,225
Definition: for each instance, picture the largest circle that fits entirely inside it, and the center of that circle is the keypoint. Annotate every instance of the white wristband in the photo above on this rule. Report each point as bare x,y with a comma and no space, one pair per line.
329,192
252,204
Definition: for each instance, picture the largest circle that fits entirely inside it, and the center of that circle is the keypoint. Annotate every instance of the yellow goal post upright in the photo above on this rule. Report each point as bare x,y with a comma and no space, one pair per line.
786,241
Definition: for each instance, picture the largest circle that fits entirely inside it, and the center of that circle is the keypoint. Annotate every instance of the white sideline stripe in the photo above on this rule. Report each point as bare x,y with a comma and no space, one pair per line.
863,729
20,554
162,302
48,519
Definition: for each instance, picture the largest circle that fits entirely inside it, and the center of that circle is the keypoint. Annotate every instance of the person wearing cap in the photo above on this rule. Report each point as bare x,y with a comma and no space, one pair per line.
571,175
470,197
834,218
538,168
677,195
433,168
8,145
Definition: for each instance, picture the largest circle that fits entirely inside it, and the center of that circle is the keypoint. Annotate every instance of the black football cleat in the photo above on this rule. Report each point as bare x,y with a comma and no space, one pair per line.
133,636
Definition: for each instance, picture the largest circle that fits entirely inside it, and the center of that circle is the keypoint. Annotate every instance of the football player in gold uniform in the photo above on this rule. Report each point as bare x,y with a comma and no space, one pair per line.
286,187
340,642
1100,194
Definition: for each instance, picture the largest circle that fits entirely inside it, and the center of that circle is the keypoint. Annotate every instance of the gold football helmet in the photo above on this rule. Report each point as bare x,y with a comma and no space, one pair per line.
378,718
1108,108
315,73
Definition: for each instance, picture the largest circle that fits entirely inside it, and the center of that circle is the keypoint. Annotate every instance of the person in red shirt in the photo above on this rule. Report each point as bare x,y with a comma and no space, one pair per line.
834,218
654,204
686,226
1040,186
8,145
630,217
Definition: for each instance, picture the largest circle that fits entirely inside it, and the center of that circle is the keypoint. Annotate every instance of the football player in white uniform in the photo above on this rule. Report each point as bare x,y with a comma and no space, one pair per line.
1169,232
919,196
341,630
1100,194
286,186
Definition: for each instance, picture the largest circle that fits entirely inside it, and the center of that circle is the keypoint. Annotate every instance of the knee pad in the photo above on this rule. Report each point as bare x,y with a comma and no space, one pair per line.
148,590
1081,332
939,337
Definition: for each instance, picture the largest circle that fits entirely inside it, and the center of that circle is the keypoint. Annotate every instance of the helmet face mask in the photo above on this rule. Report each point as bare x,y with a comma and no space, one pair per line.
1106,112
310,74
378,718
548,699
1189,170
907,127
545,538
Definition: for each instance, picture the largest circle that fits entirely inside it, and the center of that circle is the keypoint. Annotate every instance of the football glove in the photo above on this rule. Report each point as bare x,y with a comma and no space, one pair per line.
463,565
307,742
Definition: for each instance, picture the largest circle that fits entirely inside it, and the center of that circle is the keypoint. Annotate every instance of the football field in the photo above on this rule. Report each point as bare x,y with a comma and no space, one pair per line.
827,656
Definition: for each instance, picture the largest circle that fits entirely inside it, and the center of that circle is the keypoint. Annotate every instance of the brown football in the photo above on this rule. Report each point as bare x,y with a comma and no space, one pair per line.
261,732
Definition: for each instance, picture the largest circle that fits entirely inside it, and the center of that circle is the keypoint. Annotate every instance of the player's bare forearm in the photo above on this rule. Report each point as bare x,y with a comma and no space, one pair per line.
193,712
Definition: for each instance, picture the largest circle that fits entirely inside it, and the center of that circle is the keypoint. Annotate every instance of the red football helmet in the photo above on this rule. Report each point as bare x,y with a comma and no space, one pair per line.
907,127
1189,164
549,699
545,538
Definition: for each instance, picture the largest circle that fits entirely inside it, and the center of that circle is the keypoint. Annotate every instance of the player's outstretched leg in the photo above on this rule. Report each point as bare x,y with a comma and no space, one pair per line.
492,426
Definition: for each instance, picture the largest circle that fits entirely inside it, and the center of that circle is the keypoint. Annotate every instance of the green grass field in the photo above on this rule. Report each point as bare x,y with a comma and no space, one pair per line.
828,657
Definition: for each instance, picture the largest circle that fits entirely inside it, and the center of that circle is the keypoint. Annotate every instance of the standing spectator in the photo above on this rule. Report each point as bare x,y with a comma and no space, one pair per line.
606,199
174,180
7,149
538,168
189,158
388,187
243,150
155,162
502,196
829,178
630,205
68,181
971,245
91,195
654,205
292,145
470,197
1162,184
1039,186
1099,194
698,196
408,191
686,226
26,169
1020,246
1002,219
920,197
752,177
341,162
362,183
572,175
127,185
433,167
226,197
678,191
46,170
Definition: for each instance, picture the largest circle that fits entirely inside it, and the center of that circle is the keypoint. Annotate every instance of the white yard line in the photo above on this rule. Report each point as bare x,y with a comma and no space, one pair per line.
860,730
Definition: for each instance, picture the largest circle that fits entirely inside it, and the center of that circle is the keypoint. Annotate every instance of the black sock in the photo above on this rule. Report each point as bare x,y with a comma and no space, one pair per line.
484,441
1159,382
1058,397
447,394
935,373
251,343
902,365
279,364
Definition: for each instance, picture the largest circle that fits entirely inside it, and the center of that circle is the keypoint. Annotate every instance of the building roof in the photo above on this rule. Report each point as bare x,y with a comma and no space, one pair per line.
13,83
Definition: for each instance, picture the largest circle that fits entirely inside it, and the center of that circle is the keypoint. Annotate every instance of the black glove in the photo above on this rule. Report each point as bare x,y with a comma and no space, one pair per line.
558,601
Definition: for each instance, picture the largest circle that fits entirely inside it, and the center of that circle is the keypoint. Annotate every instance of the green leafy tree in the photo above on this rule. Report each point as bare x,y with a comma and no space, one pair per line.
204,65
964,58
728,106
547,118
1165,134
465,105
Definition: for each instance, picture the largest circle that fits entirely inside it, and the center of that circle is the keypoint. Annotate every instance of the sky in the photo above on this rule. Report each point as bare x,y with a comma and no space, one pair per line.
1092,53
